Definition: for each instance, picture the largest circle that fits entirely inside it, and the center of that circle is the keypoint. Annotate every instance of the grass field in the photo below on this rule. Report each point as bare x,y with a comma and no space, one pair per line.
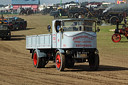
110,49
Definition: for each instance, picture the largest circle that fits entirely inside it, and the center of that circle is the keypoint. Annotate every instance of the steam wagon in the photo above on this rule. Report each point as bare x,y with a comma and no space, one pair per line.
71,41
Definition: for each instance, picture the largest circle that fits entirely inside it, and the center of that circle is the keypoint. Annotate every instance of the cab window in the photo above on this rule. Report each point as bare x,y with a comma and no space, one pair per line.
79,25
57,25
89,26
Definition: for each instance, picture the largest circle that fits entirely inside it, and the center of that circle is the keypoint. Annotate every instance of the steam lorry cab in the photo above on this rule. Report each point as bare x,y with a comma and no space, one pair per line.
71,41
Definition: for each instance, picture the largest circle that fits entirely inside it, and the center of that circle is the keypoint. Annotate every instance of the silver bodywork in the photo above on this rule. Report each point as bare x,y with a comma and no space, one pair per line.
39,41
63,39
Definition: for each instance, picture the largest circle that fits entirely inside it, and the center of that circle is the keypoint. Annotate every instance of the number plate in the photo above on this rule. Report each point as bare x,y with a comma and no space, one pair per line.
81,55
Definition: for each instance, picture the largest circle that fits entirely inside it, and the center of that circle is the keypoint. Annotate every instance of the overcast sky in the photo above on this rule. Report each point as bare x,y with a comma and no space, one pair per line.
53,1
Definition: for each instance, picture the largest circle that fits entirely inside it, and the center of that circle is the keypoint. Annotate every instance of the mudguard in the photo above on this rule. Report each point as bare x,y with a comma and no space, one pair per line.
61,51
40,54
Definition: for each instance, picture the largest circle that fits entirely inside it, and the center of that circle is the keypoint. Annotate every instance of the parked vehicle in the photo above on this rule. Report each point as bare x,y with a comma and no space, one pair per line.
71,41
59,12
71,12
25,11
76,12
47,10
16,23
114,13
5,32
113,16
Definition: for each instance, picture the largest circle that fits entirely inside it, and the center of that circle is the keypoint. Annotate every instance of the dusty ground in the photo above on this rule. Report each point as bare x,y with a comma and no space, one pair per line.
16,67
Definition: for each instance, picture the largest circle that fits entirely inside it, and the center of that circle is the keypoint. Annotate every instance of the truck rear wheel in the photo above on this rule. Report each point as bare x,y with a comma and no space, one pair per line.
38,62
93,61
60,61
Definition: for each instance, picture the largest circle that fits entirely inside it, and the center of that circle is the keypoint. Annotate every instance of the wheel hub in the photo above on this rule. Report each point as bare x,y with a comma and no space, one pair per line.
58,61
35,59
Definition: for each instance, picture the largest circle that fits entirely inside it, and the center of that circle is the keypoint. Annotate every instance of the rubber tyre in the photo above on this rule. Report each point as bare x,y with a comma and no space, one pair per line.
93,62
2,38
71,15
113,20
9,36
60,61
76,15
16,28
116,38
25,25
39,62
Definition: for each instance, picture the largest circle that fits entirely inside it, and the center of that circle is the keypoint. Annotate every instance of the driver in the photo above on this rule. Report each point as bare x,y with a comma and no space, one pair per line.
58,28
74,26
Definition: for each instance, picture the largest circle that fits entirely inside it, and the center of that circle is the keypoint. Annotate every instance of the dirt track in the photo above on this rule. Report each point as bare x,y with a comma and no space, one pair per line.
16,67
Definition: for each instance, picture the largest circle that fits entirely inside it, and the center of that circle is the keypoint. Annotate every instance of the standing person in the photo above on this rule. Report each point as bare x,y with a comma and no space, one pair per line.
48,27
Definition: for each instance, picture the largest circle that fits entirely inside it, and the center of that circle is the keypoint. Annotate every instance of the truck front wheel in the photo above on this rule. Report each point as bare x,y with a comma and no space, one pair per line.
60,61
93,61
38,62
